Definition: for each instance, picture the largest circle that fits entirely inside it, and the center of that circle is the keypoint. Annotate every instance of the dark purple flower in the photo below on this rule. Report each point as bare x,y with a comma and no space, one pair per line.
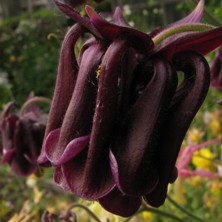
216,70
118,115
22,135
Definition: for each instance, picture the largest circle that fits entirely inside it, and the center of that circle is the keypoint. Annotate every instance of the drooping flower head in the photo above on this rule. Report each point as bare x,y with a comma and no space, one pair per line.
22,134
118,116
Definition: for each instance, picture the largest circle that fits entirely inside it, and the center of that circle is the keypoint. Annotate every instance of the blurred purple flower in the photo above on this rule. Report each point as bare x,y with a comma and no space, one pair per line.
216,70
22,136
118,116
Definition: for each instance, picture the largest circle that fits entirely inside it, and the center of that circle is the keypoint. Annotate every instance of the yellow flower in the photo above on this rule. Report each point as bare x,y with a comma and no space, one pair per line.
146,215
202,159
194,135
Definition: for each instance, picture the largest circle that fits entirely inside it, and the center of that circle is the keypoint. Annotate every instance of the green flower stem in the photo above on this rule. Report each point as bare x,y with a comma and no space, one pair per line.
31,101
180,29
91,214
184,210
157,211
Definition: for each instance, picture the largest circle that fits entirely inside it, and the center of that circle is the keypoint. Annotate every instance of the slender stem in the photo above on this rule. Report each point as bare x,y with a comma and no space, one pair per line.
83,207
184,210
156,211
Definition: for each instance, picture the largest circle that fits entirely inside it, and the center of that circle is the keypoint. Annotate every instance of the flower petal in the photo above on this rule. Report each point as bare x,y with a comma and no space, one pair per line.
83,21
19,164
120,204
82,181
135,147
111,31
178,119
73,148
78,118
65,83
49,146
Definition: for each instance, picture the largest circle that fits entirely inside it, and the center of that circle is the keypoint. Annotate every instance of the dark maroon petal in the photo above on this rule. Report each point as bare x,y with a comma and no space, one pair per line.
178,119
78,118
92,178
194,17
85,46
120,204
65,83
118,18
19,164
83,21
8,125
49,145
200,42
66,79
135,147
73,148
111,31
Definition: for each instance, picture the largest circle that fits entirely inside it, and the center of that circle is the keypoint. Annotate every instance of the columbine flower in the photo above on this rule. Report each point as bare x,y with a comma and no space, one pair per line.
22,135
118,118
216,70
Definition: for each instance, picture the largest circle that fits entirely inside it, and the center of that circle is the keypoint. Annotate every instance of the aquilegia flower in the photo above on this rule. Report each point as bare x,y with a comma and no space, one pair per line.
118,115
22,134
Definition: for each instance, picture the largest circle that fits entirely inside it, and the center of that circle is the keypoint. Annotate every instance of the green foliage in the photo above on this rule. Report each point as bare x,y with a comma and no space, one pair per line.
28,56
